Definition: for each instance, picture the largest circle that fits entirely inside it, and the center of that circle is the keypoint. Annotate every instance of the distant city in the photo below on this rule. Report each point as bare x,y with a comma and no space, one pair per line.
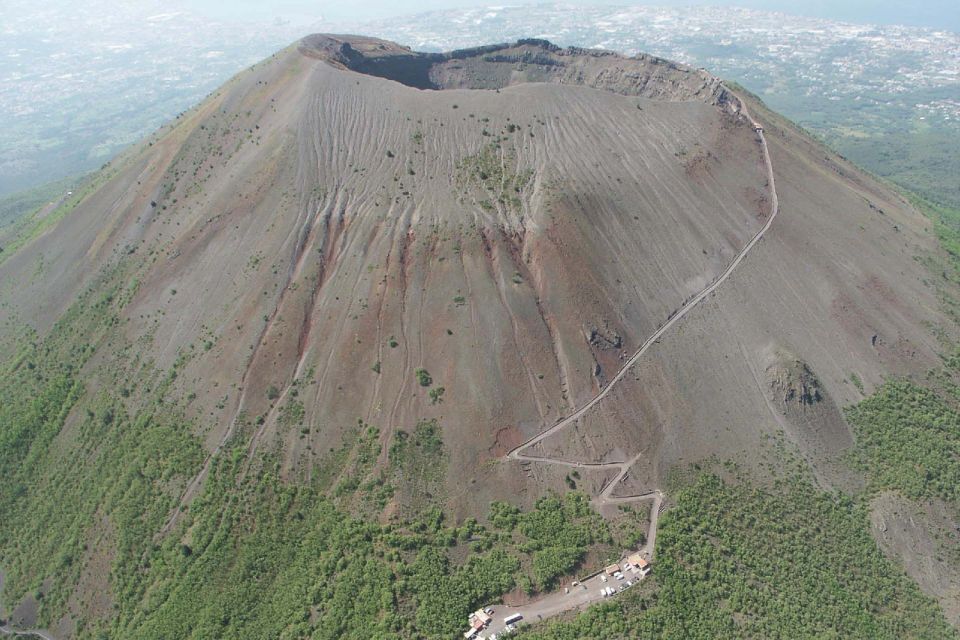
79,85
786,58
75,97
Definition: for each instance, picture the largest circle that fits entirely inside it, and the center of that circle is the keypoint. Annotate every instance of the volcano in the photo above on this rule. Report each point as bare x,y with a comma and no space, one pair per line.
559,258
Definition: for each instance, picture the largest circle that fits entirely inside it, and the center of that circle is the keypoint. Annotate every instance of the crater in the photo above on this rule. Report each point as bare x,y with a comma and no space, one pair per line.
498,66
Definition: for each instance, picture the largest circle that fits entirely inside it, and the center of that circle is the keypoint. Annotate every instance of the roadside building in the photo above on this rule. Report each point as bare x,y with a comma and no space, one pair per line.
612,569
644,566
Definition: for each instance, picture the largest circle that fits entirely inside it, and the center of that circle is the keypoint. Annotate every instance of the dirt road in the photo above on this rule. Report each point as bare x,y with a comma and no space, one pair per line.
572,598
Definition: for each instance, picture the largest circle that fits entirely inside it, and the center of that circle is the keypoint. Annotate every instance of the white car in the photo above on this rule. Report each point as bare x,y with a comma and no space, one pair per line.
603,578
618,575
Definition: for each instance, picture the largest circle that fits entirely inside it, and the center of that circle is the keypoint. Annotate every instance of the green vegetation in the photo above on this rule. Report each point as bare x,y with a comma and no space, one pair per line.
120,473
857,382
493,171
423,377
436,395
944,270
17,205
418,467
735,560
558,532
909,440
292,413
922,160
629,528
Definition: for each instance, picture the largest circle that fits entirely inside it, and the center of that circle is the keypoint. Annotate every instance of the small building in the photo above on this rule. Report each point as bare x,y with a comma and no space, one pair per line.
482,616
635,559
612,569
644,566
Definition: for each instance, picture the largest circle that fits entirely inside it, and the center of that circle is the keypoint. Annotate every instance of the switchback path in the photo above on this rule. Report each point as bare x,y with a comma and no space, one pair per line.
557,602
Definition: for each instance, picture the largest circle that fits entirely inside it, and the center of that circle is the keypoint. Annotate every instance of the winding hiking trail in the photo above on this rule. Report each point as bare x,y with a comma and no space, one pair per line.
606,496
588,591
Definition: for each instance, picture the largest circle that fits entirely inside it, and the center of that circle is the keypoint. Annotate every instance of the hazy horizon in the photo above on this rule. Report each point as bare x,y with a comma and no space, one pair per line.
82,80
936,14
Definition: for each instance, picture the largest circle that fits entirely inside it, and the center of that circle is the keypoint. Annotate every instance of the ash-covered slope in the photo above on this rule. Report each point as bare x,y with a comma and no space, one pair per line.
353,231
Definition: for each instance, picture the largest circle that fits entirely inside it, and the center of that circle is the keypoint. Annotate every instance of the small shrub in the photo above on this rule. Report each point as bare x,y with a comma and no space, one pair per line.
423,377
857,382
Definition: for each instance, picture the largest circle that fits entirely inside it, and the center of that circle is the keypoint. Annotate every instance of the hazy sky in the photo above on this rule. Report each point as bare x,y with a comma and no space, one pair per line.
943,14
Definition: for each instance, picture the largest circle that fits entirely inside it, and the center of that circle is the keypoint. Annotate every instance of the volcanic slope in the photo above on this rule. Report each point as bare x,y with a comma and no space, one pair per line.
350,233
